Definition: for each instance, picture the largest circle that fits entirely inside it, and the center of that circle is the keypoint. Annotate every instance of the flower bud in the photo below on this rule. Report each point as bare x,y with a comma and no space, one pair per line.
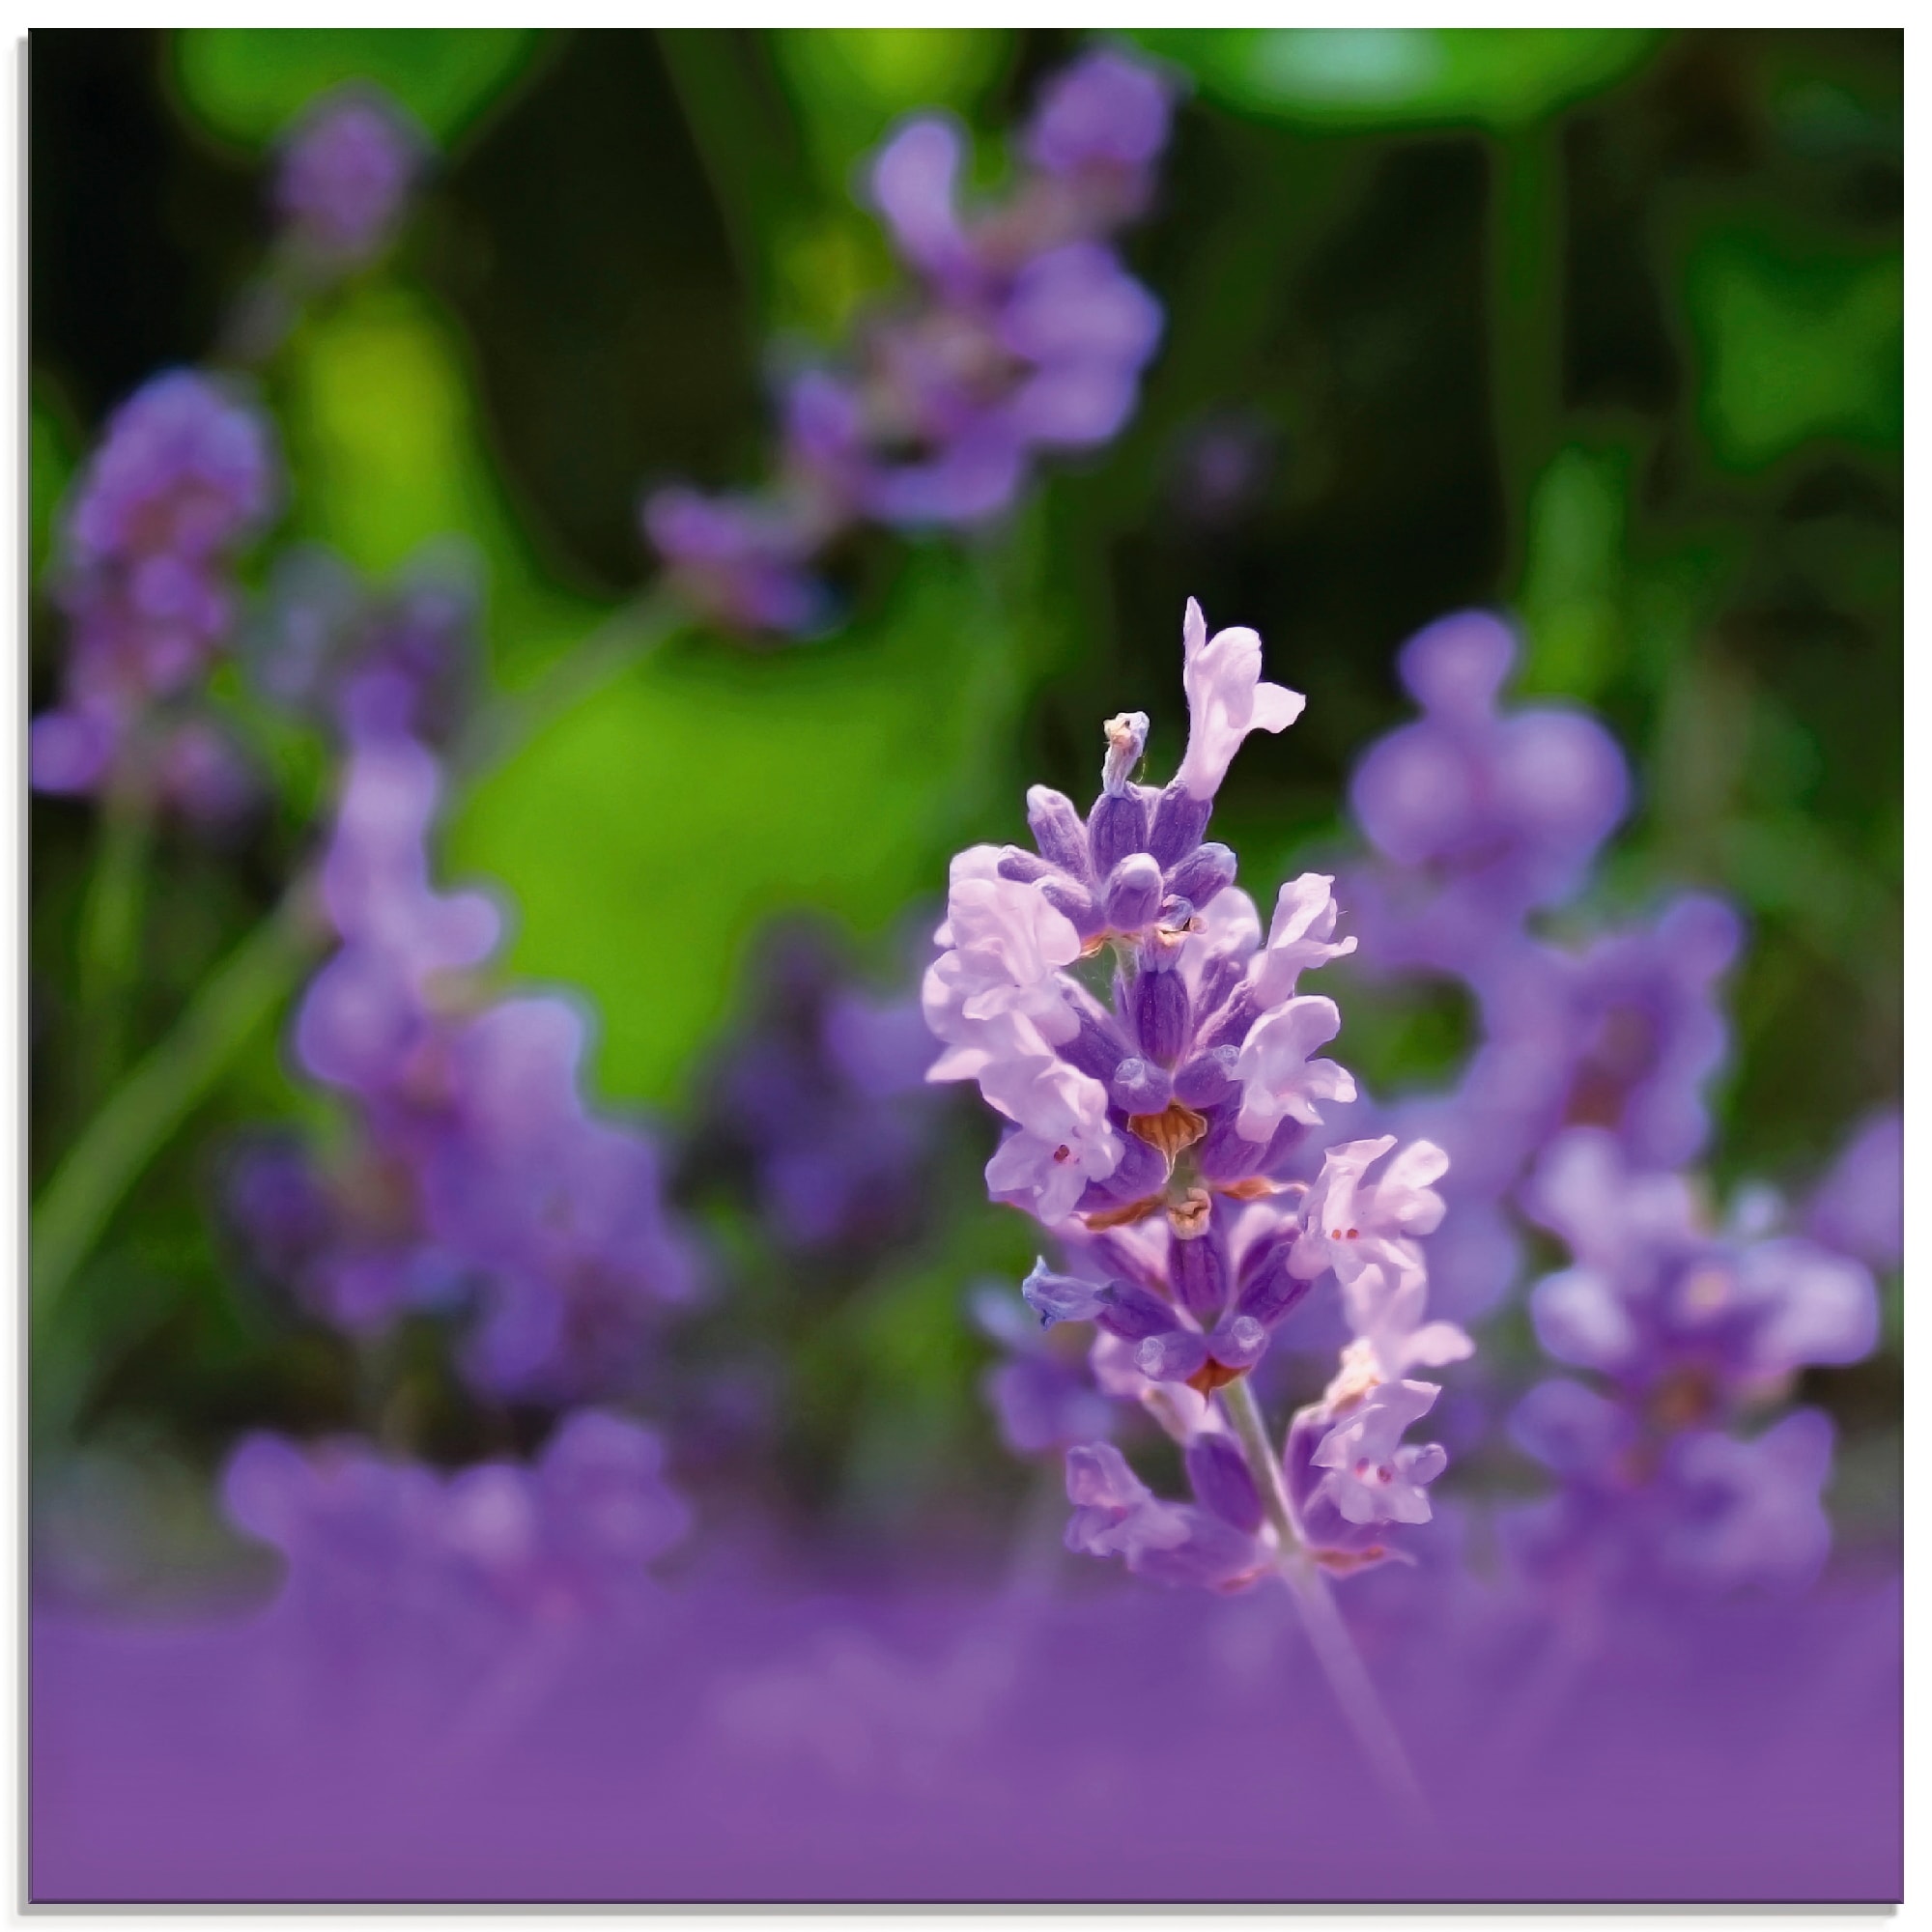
1198,1271
1206,1078
1116,827
1057,830
1179,821
1133,895
1161,1015
1171,1358
1139,1087
1205,872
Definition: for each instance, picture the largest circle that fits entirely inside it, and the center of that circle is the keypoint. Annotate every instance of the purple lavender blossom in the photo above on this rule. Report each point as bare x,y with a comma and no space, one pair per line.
1690,1331
472,1555
1151,1134
329,647
1481,816
347,169
185,475
738,561
1023,334
1686,1324
1625,1034
821,1105
479,1176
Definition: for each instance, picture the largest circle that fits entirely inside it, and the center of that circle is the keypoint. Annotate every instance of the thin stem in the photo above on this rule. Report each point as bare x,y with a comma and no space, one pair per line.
118,1142
115,1147
506,724
1238,1400
109,942
1526,322
1328,1634
1355,1690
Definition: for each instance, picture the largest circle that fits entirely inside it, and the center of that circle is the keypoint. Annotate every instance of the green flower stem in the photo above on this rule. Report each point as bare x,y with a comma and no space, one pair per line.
109,947
1237,1403
1525,252
153,1100
116,1145
1315,1603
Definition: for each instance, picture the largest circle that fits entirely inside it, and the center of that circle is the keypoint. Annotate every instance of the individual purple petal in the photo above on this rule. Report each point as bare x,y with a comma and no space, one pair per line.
1860,1206
1105,110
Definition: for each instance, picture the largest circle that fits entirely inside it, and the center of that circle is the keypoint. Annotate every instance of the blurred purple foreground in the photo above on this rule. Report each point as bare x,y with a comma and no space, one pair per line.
1118,1744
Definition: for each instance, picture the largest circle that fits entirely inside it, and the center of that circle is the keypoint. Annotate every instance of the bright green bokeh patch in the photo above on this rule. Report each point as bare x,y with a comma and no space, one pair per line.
388,453
1401,76
247,84
1574,576
645,836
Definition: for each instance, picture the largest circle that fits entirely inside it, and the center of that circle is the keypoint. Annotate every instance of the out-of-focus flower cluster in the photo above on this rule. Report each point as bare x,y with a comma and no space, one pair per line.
1022,334
1581,1109
818,1108
346,172
1157,1132
187,475
475,1179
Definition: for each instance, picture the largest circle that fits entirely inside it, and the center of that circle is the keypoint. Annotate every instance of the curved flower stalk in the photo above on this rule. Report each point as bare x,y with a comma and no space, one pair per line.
1152,1132
477,1178
1021,334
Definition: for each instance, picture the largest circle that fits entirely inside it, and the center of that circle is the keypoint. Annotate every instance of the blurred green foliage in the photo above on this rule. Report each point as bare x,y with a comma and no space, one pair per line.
1401,76
247,84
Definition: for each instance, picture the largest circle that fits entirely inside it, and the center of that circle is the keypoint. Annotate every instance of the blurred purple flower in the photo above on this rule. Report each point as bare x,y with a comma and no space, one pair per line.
479,1174
1859,1208
347,169
467,1556
1689,1331
820,1103
404,658
1480,815
1023,333
185,475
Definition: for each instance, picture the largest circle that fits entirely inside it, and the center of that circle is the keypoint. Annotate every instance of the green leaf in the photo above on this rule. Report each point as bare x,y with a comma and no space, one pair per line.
646,834
1401,76
1796,342
248,83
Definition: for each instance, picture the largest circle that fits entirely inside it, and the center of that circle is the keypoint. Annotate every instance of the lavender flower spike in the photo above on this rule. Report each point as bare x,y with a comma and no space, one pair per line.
1154,1135
185,474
